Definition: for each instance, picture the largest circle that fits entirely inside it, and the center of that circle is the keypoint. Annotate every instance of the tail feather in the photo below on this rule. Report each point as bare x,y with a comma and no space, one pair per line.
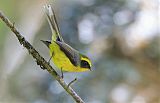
56,36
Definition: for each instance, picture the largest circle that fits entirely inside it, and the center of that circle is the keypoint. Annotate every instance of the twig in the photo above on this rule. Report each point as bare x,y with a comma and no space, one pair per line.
72,82
39,59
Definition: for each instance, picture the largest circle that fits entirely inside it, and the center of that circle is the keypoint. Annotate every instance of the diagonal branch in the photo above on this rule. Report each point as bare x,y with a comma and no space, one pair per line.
39,59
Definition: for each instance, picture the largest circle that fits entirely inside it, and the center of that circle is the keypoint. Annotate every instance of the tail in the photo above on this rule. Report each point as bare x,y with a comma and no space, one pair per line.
56,36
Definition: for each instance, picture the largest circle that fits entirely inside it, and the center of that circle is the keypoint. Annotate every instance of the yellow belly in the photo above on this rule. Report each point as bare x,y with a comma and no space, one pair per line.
61,61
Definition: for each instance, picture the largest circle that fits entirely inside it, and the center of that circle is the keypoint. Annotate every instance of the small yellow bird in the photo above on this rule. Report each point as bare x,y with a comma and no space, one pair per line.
64,56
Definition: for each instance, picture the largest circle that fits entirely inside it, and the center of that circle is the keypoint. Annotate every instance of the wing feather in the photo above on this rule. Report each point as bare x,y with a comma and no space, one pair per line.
71,53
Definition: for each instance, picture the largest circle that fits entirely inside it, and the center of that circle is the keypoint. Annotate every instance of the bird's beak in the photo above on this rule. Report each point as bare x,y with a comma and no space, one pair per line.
90,69
47,43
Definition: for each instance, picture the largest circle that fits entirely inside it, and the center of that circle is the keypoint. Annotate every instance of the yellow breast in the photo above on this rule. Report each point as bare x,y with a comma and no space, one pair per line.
61,61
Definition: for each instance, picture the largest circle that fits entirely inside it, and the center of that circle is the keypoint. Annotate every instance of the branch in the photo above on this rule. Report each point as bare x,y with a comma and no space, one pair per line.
39,59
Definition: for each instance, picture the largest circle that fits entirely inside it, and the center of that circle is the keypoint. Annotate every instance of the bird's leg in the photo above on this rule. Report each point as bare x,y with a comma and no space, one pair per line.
61,73
50,57
72,82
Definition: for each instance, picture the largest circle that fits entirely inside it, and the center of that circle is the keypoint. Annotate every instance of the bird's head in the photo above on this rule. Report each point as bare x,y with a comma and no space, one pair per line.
85,62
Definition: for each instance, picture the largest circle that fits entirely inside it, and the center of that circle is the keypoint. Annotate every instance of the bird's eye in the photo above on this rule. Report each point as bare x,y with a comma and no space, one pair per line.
85,64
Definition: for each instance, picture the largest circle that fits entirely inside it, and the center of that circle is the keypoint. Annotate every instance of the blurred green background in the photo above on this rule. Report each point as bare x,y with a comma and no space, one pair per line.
120,36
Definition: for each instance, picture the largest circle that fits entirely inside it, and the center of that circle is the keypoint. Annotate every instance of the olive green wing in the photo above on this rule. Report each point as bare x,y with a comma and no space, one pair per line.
56,36
71,53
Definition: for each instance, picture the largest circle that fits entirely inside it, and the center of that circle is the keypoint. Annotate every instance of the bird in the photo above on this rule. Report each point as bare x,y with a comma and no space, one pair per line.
63,56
